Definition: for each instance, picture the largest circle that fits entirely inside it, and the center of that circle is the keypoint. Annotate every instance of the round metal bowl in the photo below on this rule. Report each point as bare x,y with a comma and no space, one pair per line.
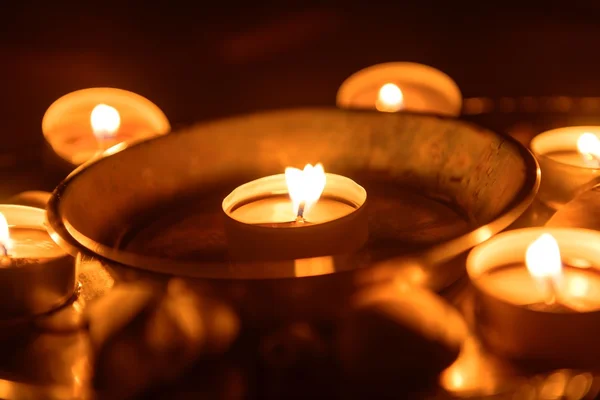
437,186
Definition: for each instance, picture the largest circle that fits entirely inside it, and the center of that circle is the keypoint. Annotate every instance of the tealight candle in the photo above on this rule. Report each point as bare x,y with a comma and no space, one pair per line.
398,86
36,276
568,160
299,214
538,295
84,123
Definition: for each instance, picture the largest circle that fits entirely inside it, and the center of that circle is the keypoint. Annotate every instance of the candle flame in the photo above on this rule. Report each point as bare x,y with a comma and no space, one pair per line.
4,234
543,258
390,98
588,145
305,186
105,121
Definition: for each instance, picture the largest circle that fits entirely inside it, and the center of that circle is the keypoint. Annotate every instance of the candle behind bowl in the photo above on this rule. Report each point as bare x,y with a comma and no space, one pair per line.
568,159
538,295
82,124
398,86
36,276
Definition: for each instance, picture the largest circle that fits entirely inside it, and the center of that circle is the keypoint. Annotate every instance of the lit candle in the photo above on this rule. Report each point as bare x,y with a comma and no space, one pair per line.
82,124
25,245
538,294
545,283
299,214
389,98
568,160
35,274
398,86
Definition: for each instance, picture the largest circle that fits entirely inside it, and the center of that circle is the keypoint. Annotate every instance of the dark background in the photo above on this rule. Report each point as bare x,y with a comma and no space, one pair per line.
205,60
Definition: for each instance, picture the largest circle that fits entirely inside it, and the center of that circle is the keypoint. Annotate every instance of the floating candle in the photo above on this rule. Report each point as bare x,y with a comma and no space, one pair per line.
36,276
400,86
540,309
299,214
568,160
82,124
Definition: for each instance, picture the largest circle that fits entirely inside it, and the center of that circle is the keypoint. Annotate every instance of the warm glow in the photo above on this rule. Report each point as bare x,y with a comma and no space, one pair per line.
543,258
105,121
578,286
390,98
305,186
4,233
588,145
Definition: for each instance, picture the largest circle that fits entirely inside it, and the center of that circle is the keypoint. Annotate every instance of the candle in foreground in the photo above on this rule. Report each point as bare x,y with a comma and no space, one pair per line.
569,162
401,86
299,214
538,294
84,123
36,276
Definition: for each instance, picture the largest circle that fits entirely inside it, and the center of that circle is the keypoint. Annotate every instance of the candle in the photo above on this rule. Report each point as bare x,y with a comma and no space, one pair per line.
278,209
22,246
538,294
36,276
84,123
299,214
568,160
398,86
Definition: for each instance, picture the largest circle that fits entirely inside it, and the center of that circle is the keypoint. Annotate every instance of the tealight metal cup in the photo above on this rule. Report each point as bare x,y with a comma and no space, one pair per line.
524,334
37,287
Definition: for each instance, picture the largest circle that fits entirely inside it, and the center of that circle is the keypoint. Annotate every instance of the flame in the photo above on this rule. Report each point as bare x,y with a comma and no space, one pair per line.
390,98
4,233
588,145
543,258
105,121
305,186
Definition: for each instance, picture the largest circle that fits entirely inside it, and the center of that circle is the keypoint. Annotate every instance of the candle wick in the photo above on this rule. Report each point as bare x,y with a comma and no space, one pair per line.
300,215
4,250
552,292
100,142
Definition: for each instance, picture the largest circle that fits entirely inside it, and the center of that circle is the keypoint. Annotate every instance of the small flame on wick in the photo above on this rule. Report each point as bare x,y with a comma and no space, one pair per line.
390,98
5,242
305,187
544,263
588,145
105,121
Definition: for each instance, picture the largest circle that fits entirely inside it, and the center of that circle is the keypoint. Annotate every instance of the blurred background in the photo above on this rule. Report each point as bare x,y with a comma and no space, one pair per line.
199,61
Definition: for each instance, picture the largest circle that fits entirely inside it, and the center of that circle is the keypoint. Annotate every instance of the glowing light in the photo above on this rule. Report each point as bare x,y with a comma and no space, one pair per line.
305,186
588,145
390,98
105,121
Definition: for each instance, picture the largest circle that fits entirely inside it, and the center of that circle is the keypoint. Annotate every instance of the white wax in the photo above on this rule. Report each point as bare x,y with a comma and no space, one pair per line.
573,158
32,243
579,288
77,142
279,209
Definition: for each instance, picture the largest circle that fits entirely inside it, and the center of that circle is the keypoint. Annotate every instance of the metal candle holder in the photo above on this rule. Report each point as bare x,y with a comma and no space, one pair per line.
290,240
533,335
31,286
